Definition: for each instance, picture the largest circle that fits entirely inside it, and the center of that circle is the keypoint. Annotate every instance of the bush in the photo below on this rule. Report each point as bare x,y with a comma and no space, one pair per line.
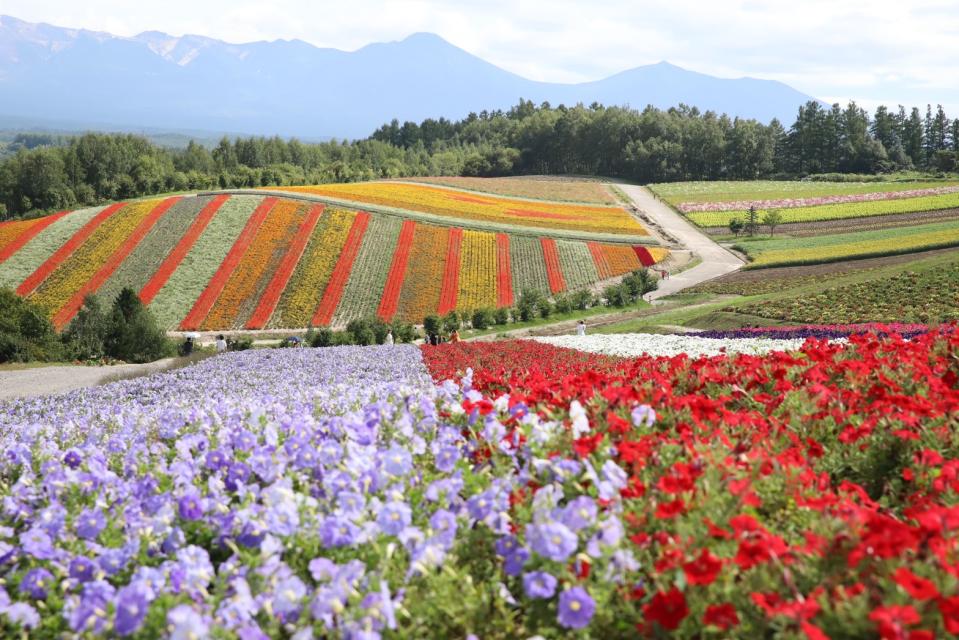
482,318
132,332
432,325
639,283
403,331
25,332
545,308
243,344
616,295
501,316
322,337
85,336
583,300
563,304
452,322
360,332
528,304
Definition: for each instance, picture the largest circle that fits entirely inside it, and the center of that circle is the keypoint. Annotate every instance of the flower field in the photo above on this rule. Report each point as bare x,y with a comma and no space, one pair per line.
508,489
587,191
223,261
467,206
676,193
653,344
769,252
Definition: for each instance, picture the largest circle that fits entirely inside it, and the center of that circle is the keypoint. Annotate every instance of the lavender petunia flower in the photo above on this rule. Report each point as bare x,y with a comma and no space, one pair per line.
36,582
539,584
576,608
394,517
132,604
553,540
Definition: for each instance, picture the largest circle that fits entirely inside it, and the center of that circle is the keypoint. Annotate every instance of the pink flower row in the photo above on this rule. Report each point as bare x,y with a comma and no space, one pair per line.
790,203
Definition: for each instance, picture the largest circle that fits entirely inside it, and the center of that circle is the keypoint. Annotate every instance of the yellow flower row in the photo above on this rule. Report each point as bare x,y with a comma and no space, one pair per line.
305,289
464,205
10,231
826,253
240,294
477,277
420,295
77,270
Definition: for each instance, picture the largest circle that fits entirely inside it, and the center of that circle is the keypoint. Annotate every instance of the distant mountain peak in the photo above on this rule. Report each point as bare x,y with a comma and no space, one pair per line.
290,87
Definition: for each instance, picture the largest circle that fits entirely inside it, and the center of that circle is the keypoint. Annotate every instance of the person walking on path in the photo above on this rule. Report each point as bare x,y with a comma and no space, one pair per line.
389,337
581,328
220,344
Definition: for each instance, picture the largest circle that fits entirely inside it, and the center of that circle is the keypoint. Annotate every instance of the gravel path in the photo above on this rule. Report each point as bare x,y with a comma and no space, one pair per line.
41,381
717,261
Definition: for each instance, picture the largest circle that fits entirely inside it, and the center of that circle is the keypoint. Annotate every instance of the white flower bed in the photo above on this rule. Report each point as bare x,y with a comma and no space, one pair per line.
637,344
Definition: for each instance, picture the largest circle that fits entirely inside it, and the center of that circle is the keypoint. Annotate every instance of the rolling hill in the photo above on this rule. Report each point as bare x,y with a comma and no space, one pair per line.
293,88
256,259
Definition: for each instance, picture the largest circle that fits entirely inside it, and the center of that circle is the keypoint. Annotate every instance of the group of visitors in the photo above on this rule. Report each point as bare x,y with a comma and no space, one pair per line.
438,338
221,344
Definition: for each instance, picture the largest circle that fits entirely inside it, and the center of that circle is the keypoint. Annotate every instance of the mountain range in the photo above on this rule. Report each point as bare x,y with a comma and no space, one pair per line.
292,88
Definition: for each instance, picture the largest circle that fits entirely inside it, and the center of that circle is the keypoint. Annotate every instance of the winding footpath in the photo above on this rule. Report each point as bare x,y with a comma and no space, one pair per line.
716,261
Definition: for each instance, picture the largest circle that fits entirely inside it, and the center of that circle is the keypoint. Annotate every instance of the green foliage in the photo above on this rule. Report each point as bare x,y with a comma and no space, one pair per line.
84,337
482,318
583,300
563,303
132,333
501,316
528,305
322,337
432,325
361,332
736,226
544,308
633,287
25,332
452,322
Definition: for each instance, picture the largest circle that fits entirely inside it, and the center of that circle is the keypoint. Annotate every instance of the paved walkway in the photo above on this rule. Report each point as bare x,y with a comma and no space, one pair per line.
716,261
42,380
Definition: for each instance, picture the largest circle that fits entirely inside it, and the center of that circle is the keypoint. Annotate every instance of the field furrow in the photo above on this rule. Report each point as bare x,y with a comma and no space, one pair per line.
304,291
397,272
281,277
576,261
341,272
478,264
420,295
367,280
236,302
187,282
529,266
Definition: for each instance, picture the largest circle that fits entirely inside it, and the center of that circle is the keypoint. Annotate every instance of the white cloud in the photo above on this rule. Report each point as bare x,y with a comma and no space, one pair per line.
872,50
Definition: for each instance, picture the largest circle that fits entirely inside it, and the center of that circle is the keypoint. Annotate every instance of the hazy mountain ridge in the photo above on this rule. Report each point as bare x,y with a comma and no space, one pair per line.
290,87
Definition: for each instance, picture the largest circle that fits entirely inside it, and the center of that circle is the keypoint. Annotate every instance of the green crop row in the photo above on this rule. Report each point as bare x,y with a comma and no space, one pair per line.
725,191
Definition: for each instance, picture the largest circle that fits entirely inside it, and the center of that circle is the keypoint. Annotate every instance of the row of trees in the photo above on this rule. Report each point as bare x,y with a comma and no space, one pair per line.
651,145
127,332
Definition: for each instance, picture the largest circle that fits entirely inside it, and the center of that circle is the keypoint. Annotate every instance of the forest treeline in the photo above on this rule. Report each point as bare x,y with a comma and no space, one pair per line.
652,145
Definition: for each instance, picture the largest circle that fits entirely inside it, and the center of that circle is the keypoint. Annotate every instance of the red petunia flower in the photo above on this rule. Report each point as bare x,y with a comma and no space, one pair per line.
704,569
918,588
667,609
721,615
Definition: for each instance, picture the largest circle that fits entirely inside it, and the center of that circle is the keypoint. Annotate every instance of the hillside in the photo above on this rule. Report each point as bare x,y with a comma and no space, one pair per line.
268,260
220,86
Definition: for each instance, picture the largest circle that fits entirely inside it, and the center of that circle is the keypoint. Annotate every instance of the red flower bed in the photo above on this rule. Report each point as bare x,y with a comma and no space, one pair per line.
394,279
645,258
504,273
813,494
553,269
451,275
599,258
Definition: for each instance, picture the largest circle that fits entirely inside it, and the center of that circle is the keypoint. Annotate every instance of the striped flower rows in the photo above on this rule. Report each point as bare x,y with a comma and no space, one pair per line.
468,205
229,262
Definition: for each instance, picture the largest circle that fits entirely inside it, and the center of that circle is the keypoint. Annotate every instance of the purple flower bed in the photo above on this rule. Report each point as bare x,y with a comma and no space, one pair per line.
821,332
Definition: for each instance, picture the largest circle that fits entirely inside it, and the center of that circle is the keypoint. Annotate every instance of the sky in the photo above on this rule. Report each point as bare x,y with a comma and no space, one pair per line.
872,51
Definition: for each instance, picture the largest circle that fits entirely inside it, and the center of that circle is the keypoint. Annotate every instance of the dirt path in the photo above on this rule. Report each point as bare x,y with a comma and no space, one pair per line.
716,261
42,381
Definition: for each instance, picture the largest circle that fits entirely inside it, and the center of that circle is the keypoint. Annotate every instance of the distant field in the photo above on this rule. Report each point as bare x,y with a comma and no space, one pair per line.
840,211
926,291
545,188
471,206
259,261
769,252
676,193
